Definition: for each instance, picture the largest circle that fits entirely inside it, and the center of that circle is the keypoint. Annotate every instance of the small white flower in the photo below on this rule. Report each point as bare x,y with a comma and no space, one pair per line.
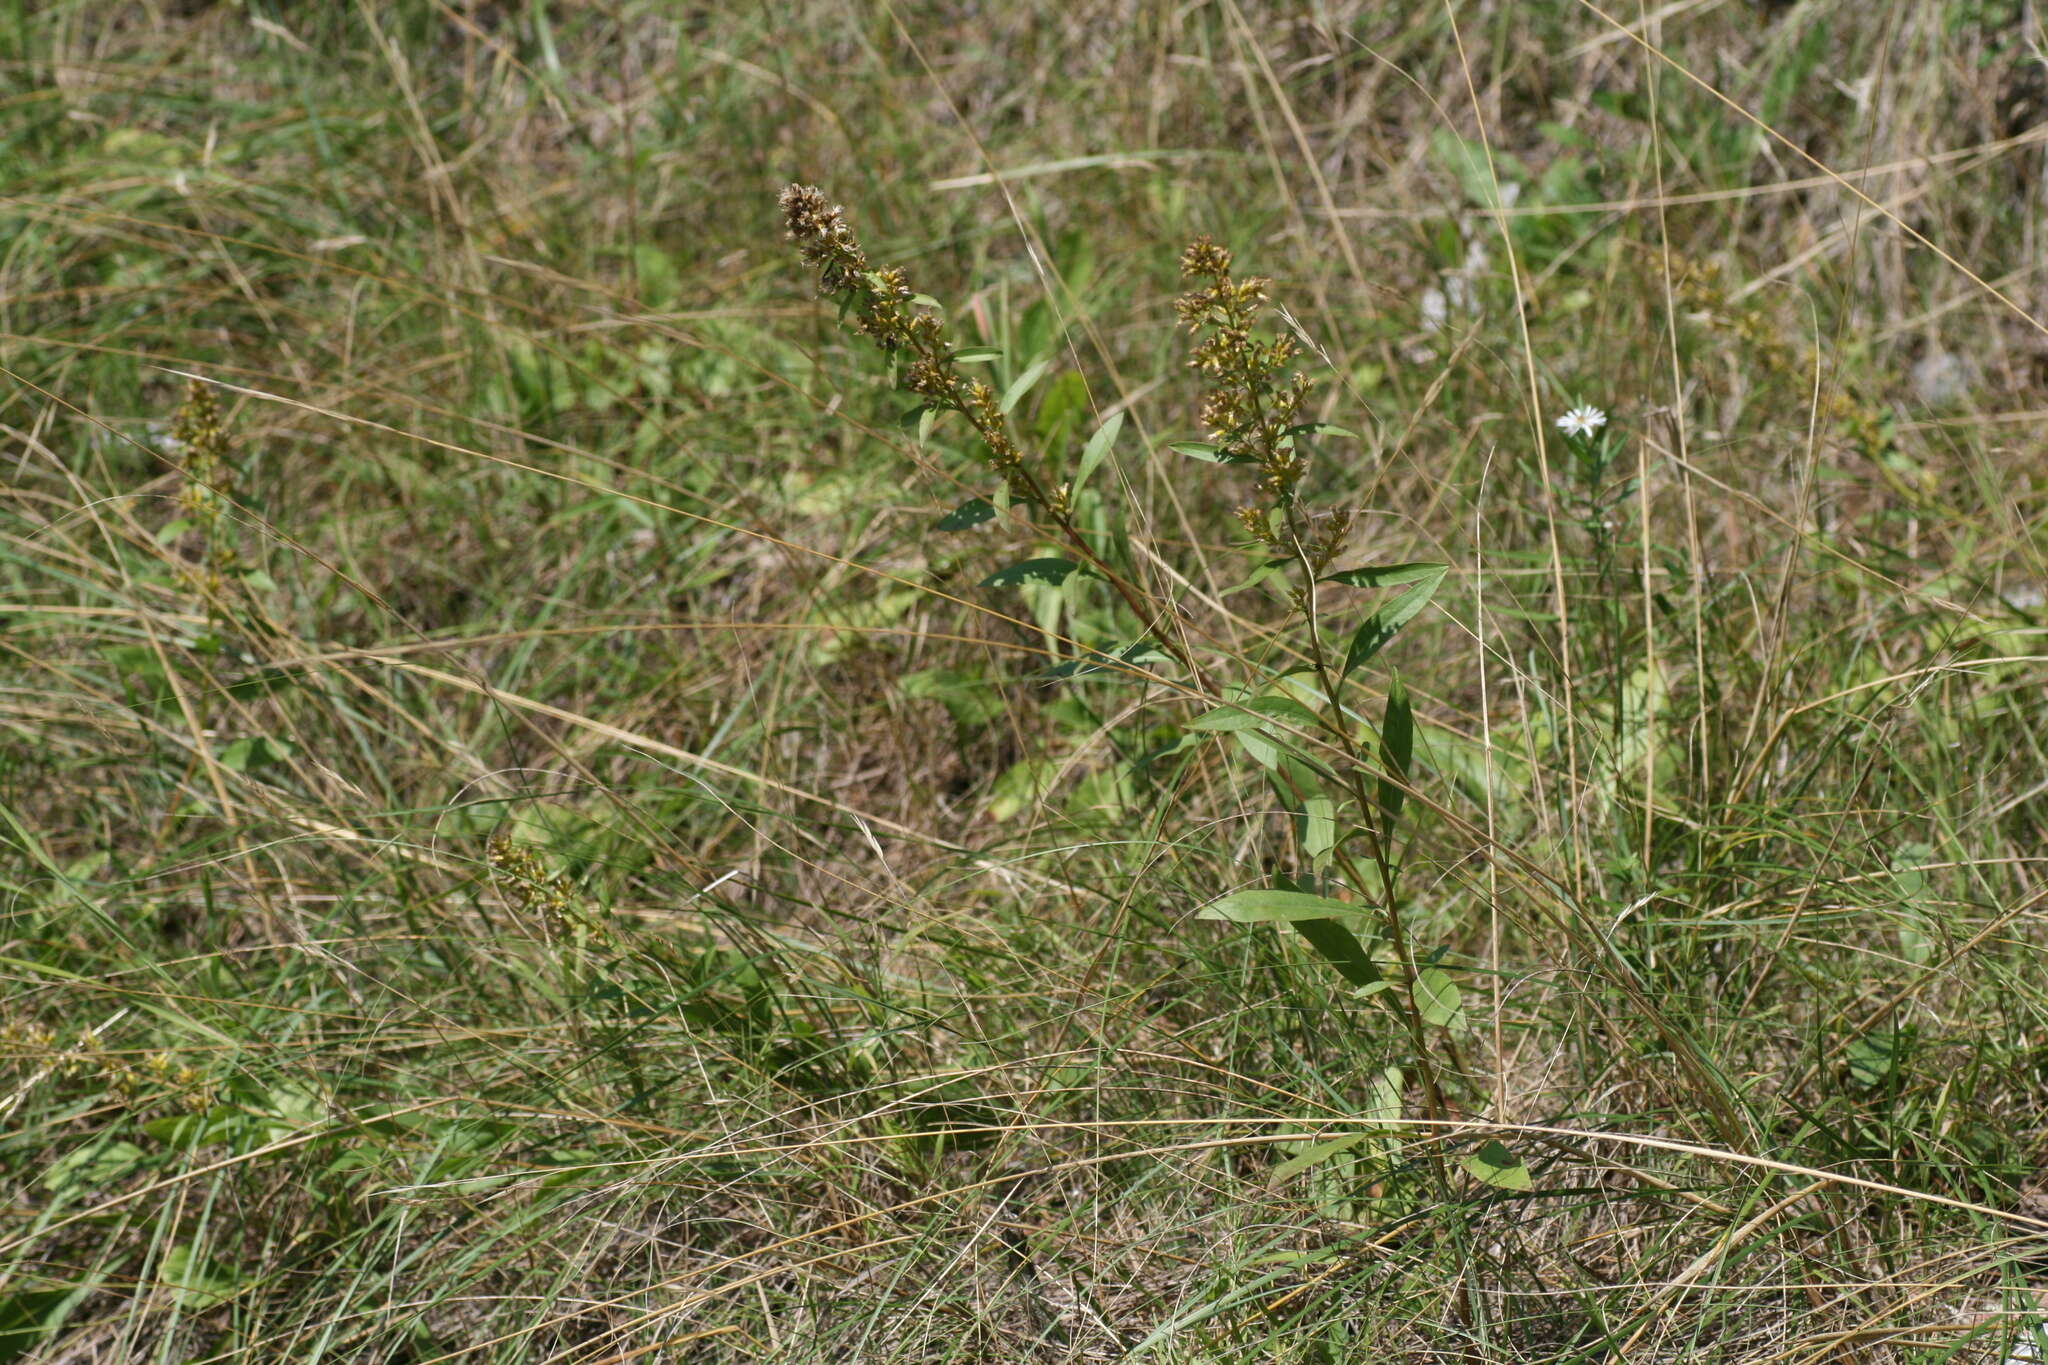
1582,421
1436,309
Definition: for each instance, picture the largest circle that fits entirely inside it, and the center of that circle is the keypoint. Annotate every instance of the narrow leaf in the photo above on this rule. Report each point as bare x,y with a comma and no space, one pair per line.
1253,712
1371,637
1097,449
1397,747
1052,571
1021,385
1200,450
1314,1156
974,512
1392,575
974,355
1132,661
1340,948
1266,906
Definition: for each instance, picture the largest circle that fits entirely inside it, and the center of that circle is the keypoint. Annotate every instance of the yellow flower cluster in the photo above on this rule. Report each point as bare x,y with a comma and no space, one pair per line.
1252,409
539,892
31,1044
1701,290
885,309
202,450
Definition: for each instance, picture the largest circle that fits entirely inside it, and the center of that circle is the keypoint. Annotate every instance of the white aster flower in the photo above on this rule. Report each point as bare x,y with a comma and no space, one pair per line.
1582,421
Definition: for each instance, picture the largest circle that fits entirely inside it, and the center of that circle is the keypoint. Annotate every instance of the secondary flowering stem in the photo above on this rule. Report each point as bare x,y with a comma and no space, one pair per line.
883,307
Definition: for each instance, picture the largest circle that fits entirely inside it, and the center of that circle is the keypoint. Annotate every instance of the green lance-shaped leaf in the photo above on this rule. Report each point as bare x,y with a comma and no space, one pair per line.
1254,712
1266,906
1132,661
1499,1167
1021,385
1397,747
974,512
1097,449
1341,949
1207,451
1319,919
1051,571
1384,1109
1438,999
1421,580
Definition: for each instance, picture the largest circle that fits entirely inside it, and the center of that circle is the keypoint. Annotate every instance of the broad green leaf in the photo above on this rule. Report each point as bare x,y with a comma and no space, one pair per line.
1254,712
1340,948
1319,828
1258,748
92,1166
1873,1058
926,421
27,1317
974,512
1051,571
1315,1155
1397,747
196,1282
1097,449
1132,661
1391,575
1204,450
1022,786
1372,636
135,659
1266,906
1060,410
1469,162
1386,1096
1498,1167
967,697
1021,385
1917,942
1320,429
1437,998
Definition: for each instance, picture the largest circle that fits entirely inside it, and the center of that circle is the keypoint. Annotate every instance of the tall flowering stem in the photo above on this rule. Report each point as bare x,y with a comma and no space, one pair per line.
1252,410
201,440
880,304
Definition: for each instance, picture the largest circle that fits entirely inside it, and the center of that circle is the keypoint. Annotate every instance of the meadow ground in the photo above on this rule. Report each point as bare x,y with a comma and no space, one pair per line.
542,820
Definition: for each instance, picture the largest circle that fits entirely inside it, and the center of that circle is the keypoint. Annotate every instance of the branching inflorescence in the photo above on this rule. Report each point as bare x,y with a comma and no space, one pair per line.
902,323
906,326
1253,404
